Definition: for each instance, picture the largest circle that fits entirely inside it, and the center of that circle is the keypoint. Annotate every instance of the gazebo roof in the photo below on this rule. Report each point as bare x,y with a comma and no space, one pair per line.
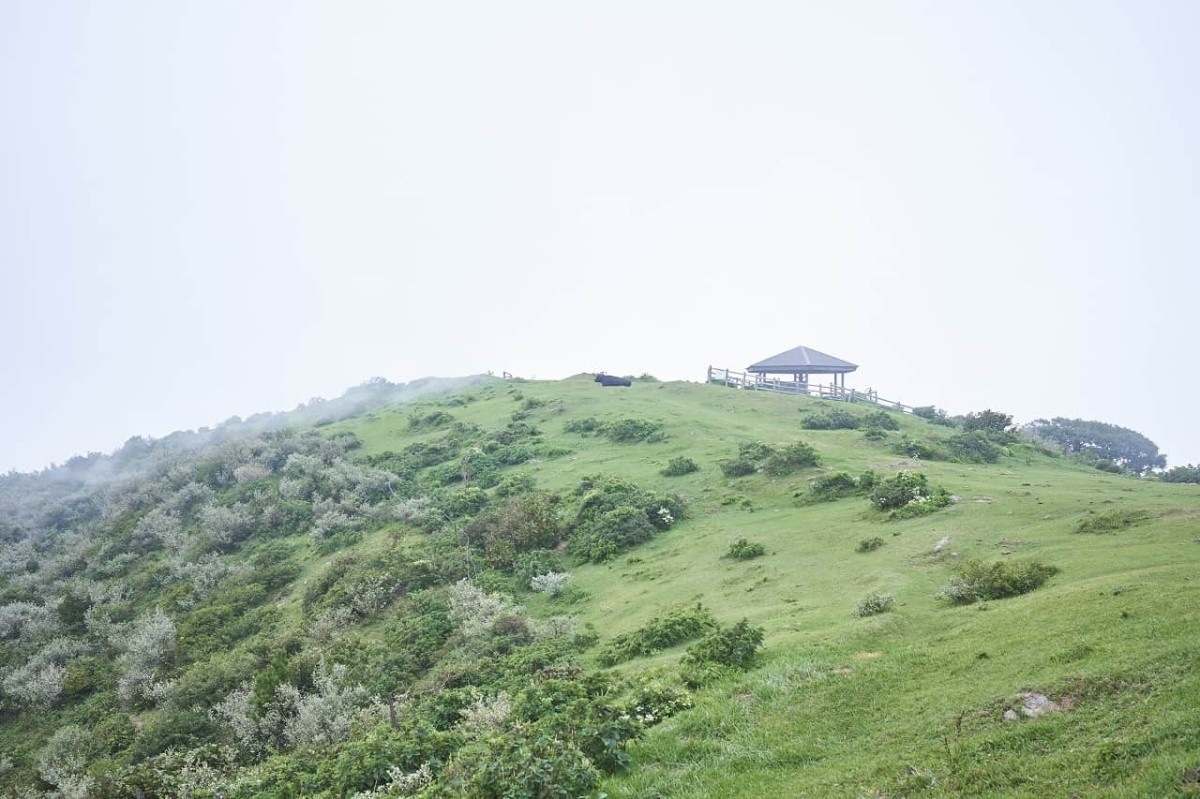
802,360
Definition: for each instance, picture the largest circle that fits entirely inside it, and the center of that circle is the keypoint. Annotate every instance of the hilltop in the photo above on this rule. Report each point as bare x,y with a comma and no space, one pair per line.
730,602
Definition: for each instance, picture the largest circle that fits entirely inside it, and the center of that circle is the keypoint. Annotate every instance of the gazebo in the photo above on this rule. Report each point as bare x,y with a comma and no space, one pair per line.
800,363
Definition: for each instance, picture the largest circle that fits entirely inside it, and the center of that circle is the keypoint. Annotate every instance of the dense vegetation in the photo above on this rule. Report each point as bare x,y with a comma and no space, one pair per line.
542,589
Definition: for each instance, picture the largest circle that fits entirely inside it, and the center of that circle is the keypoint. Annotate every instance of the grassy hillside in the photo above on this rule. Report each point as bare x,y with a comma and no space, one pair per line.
401,502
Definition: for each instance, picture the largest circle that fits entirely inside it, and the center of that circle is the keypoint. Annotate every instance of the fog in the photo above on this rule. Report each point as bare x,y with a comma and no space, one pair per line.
220,209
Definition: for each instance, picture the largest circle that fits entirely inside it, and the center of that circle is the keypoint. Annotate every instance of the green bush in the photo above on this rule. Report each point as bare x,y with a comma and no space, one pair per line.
679,625
584,426
907,495
745,550
1109,466
988,421
733,646
832,420
977,580
429,421
972,446
934,415
833,486
874,434
880,420
601,538
677,467
869,544
739,467
873,604
755,451
921,450
1182,474
1110,521
630,431
790,459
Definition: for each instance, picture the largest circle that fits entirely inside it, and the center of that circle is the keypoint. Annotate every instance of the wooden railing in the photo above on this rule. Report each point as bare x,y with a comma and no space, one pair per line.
754,382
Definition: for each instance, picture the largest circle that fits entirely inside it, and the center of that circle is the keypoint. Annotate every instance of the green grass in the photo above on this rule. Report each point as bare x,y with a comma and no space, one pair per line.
907,703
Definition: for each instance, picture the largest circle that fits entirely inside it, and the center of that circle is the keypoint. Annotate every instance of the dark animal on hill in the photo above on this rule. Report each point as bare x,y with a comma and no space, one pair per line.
609,380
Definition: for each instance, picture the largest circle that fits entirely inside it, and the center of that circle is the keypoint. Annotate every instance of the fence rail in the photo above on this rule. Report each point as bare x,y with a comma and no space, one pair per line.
754,382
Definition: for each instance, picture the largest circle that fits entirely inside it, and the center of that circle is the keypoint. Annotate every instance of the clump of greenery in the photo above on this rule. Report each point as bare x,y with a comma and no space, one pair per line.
919,450
873,604
790,459
677,467
977,580
619,431
933,415
869,544
725,649
880,420
972,446
429,421
875,434
679,625
742,549
1181,474
906,495
1110,521
613,515
832,420
835,485
750,457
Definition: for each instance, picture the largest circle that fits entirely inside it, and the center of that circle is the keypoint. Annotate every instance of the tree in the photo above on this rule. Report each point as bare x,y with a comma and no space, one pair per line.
988,421
1128,448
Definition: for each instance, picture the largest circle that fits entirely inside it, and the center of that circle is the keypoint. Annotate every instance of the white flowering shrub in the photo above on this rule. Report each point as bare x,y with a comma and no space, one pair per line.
665,518
251,473
147,645
486,715
400,783
223,526
330,623
476,611
63,760
163,528
38,681
552,583
327,715
203,575
414,510
26,621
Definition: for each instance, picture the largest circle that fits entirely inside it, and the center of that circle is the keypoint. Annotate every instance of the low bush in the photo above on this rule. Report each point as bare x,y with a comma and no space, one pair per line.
907,495
869,544
832,420
613,515
880,420
875,434
677,467
1182,474
933,415
833,486
977,580
619,431
679,625
873,604
743,549
755,451
429,421
739,467
790,459
1109,466
1110,521
920,450
733,646
972,446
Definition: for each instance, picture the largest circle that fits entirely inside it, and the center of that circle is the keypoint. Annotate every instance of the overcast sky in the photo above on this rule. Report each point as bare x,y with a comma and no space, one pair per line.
216,208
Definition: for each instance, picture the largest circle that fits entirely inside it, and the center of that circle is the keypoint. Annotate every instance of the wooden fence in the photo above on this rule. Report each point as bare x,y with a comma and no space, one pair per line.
753,382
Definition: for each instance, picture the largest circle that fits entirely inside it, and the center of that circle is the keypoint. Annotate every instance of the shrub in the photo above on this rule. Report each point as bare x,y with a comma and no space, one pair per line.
790,459
869,544
907,495
832,420
537,561
933,415
829,487
1182,474
880,420
733,646
875,434
680,466
552,583
614,514
630,431
739,467
755,451
654,700
988,421
429,421
972,446
1110,521
601,538
679,625
921,450
745,550
873,604
977,580
582,426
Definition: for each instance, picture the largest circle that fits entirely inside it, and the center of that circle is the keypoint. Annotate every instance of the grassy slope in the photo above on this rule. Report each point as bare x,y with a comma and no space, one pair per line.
908,703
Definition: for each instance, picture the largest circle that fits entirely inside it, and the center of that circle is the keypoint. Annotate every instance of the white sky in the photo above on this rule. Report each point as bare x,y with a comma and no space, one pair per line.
217,208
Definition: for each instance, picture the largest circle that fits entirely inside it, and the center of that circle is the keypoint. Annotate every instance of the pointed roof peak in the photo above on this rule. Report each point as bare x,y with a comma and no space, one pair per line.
803,359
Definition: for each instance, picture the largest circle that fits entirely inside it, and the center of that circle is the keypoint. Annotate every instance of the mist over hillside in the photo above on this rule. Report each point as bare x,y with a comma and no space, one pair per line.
507,588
